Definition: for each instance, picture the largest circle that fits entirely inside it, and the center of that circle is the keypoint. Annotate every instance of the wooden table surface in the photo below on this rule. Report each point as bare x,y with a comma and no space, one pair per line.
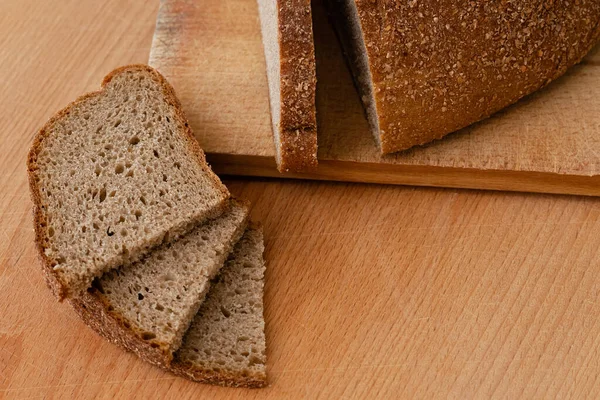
371,291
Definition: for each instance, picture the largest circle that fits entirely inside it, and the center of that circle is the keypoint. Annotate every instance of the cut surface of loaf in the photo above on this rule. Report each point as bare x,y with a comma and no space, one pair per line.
147,306
115,174
428,68
225,344
290,56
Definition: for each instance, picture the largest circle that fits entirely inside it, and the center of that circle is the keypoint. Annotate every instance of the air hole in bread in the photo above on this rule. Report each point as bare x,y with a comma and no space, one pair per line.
119,169
225,312
168,277
140,296
254,361
134,140
96,284
148,336
102,195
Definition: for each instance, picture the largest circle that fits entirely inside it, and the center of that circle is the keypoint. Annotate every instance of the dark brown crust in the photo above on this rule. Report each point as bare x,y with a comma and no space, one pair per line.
222,378
94,310
440,65
53,280
298,125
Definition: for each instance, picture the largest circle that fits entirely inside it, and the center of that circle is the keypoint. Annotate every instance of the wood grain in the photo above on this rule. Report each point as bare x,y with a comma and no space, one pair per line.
371,291
212,53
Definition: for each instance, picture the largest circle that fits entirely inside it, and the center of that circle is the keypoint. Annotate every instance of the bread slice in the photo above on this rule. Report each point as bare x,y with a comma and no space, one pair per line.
147,307
427,68
115,174
290,55
225,344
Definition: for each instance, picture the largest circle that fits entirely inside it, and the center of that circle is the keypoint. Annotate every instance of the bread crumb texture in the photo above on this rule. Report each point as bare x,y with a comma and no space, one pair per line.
226,341
114,174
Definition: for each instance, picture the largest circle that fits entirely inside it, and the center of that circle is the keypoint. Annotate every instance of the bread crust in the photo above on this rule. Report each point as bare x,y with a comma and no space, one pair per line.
441,65
94,310
298,125
222,378
52,279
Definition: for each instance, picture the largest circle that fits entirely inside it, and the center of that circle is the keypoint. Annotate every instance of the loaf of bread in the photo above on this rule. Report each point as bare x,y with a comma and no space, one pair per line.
147,307
225,344
290,56
115,174
426,68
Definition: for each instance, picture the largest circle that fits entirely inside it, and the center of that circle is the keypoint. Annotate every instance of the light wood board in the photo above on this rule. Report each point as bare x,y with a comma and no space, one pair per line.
372,291
211,51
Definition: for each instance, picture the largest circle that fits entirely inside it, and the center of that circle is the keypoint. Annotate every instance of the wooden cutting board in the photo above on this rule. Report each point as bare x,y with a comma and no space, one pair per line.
372,291
211,52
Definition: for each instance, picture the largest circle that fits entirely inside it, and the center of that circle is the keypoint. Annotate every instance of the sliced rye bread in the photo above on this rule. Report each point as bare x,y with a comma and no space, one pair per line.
147,307
428,68
290,56
225,344
114,174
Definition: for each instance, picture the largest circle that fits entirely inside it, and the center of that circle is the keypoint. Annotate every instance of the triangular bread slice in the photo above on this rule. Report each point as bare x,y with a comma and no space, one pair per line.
290,56
148,306
115,174
225,344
